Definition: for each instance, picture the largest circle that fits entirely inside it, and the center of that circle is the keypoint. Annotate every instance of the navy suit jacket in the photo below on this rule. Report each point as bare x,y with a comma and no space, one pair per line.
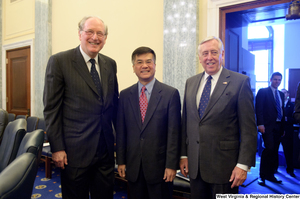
75,114
226,134
155,143
266,112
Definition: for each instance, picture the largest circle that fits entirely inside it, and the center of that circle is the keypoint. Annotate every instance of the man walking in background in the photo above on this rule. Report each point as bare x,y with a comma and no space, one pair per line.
270,117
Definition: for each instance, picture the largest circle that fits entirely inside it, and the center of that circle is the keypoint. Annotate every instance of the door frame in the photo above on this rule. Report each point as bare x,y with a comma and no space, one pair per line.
239,7
30,43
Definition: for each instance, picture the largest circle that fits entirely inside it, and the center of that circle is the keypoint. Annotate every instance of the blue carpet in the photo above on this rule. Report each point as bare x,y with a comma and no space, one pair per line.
289,184
45,188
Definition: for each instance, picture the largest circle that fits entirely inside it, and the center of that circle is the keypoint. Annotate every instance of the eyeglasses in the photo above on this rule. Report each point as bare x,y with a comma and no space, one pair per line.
91,33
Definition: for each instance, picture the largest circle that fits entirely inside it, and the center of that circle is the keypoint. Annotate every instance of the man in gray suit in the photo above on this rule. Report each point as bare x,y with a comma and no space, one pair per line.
148,131
218,147
80,110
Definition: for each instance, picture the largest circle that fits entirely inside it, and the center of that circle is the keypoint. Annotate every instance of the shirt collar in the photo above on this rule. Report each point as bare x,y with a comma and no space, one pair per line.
86,57
148,86
215,76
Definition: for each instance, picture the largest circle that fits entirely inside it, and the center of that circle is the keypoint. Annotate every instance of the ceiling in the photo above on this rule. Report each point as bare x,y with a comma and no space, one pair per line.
268,14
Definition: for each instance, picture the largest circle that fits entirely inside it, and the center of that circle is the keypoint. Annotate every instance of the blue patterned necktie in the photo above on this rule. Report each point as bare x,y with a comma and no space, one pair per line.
95,77
279,116
205,96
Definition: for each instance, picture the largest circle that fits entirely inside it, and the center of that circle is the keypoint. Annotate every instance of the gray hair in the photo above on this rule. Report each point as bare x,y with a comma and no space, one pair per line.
84,19
221,46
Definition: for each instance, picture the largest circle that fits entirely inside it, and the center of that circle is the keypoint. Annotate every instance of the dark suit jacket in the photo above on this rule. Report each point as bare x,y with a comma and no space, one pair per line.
266,112
154,144
75,114
297,105
226,134
288,127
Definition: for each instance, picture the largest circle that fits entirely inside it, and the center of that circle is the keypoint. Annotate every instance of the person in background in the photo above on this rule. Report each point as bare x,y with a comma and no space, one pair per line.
287,139
297,106
148,131
270,118
219,133
80,105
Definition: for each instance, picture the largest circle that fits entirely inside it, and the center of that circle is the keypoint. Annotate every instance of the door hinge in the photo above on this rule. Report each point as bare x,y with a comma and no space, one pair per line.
6,61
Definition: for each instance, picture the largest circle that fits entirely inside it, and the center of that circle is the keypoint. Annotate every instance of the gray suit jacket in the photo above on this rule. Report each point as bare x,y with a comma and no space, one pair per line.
226,134
75,114
155,144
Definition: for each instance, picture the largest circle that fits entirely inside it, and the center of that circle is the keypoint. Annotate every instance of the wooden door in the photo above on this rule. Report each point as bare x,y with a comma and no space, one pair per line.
18,81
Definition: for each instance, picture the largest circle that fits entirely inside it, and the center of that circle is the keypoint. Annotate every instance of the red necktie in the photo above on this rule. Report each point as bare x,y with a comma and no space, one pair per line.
143,103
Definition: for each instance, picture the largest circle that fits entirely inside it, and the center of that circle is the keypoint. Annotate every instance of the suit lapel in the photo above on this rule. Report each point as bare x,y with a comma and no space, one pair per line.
271,96
80,65
153,102
104,75
194,91
223,82
134,102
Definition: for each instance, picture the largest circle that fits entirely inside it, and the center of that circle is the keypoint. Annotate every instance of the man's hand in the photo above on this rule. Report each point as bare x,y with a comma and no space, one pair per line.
238,176
261,128
121,170
60,159
169,175
184,166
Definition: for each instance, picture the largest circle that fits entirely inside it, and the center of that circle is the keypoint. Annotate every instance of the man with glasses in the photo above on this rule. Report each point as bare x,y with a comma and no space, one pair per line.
80,104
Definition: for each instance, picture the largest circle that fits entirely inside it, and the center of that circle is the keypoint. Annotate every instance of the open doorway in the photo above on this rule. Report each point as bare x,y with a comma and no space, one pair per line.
277,50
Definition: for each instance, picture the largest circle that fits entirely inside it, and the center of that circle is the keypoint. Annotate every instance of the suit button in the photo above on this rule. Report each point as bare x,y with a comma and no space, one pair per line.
142,139
197,142
99,99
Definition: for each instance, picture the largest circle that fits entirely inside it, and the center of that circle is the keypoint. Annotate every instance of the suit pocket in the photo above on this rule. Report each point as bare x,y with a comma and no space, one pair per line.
229,145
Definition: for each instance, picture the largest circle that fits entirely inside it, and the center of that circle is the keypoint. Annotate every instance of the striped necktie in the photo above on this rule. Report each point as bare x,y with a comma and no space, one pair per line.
279,116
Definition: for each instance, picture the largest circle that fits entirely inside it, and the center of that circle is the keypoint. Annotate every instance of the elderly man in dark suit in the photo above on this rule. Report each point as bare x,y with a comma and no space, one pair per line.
297,105
148,131
270,118
80,99
218,126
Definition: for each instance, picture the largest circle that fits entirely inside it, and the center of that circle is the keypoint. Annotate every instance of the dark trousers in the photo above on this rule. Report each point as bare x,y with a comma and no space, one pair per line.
203,190
143,190
269,156
97,179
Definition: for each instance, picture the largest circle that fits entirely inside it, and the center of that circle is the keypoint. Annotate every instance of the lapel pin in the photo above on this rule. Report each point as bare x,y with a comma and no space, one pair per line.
224,82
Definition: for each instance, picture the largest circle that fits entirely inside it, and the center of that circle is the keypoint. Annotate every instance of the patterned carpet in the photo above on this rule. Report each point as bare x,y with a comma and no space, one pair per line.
51,189
45,188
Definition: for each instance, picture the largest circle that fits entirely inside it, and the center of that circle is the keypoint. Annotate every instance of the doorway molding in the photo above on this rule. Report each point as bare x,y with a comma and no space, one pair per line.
217,10
30,43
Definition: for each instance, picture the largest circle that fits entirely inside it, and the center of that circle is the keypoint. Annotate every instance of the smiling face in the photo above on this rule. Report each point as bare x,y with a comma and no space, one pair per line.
144,67
211,56
275,81
92,44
